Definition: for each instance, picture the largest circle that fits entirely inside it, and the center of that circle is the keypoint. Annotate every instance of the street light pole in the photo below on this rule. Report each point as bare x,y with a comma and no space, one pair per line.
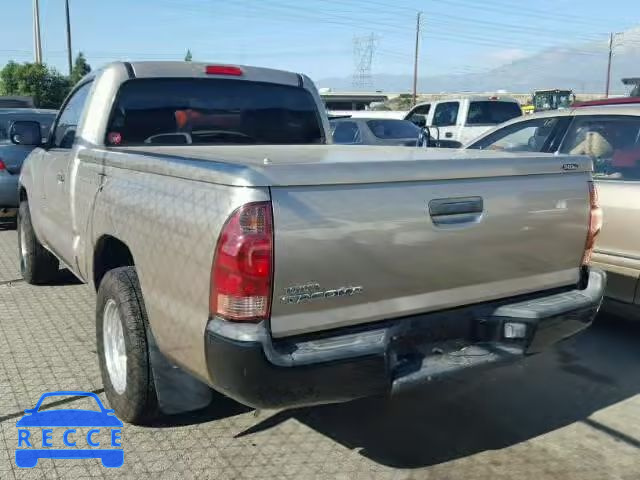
69,56
37,45
415,60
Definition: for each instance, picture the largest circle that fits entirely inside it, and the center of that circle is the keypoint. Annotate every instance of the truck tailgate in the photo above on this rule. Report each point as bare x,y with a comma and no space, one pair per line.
355,253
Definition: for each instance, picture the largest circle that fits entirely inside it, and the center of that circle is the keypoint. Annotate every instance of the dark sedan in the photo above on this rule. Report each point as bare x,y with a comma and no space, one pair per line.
12,156
374,131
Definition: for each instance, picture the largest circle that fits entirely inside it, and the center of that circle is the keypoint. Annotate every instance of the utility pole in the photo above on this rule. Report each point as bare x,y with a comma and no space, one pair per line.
606,93
37,45
66,9
415,60
612,38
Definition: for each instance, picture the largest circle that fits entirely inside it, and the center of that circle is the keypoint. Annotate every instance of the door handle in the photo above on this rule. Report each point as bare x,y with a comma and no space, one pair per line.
456,211
448,135
60,177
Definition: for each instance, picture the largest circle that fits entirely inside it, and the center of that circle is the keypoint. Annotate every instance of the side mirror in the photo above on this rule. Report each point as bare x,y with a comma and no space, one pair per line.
418,120
424,138
26,132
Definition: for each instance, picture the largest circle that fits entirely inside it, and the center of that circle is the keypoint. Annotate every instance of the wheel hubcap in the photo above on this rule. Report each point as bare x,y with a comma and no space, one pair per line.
114,349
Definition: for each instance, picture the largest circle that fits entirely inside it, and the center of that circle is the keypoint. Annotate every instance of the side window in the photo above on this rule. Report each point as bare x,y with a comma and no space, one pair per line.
612,142
346,133
527,136
446,114
421,110
65,130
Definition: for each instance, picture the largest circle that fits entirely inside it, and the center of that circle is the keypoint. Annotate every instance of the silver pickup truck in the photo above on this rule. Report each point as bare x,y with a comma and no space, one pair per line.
225,237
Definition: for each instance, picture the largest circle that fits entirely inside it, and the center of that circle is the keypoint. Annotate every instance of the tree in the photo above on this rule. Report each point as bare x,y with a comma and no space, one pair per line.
9,78
45,85
80,68
188,57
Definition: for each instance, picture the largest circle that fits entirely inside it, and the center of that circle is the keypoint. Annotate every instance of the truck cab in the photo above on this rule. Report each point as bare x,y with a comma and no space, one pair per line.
454,122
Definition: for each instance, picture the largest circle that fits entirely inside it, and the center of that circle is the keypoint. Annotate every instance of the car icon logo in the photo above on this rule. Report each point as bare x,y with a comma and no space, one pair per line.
37,421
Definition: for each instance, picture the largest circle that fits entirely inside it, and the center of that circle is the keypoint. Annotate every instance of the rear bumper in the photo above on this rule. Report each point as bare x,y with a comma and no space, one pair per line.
8,190
246,364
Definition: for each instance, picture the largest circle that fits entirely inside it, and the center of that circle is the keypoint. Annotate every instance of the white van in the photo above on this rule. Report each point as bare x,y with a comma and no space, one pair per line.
456,121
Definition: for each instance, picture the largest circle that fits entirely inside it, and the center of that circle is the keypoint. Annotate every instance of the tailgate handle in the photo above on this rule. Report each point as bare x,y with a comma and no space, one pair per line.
453,211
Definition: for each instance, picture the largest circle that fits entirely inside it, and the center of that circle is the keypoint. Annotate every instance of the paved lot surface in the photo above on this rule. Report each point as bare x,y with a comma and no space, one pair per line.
571,413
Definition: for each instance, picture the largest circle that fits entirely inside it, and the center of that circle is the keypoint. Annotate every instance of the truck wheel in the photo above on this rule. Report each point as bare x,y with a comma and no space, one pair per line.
123,352
37,264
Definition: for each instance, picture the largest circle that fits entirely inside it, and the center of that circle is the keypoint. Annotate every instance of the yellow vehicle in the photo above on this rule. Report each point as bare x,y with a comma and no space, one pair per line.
527,109
552,99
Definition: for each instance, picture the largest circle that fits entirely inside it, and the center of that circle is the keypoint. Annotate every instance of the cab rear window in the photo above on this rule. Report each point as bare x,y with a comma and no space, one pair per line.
213,112
492,112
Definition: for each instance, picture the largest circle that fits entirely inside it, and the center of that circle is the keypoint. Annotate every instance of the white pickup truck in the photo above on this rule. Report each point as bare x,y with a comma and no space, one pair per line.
454,122
225,237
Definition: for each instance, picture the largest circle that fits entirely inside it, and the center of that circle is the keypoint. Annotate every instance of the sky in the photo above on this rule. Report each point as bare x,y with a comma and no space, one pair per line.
315,37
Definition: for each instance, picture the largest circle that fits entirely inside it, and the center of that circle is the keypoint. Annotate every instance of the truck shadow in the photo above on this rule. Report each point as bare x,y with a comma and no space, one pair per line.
64,277
221,407
489,410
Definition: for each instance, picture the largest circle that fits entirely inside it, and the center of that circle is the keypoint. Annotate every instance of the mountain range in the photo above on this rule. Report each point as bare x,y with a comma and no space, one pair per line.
580,67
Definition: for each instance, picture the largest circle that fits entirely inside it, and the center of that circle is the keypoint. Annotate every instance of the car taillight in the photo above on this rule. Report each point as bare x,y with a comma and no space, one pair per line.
2,165
243,265
595,223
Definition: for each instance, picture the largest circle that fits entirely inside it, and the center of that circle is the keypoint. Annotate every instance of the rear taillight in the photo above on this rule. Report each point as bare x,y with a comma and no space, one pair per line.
243,265
2,165
595,223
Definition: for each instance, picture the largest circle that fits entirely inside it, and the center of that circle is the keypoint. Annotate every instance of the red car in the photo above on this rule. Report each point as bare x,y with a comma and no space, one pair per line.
608,101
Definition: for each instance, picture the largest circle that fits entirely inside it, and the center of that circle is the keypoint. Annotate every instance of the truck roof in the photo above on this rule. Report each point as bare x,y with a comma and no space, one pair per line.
473,98
181,69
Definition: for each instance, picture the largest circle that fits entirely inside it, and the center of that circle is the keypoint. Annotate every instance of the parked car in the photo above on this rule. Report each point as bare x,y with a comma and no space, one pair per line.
12,156
228,239
16,101
610,135
378,114
454,122
374,131
608,101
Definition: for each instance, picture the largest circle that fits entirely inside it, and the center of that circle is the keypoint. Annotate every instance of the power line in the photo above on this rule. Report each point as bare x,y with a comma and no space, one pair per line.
488,6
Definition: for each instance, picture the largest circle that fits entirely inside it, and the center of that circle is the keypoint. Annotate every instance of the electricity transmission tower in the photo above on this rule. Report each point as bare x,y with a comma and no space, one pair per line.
363,51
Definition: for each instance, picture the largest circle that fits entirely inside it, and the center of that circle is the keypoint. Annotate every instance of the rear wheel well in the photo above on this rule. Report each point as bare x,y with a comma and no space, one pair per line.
109,253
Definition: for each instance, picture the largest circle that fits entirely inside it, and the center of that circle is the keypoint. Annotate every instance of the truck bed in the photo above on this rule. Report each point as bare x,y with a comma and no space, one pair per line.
363,234
285,165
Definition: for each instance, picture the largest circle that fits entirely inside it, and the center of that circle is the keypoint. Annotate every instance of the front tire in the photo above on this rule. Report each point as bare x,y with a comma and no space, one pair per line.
123,352
37,264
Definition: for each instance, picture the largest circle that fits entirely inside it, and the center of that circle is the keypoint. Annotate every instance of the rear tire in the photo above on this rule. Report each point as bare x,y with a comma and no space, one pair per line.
123,352
37,264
